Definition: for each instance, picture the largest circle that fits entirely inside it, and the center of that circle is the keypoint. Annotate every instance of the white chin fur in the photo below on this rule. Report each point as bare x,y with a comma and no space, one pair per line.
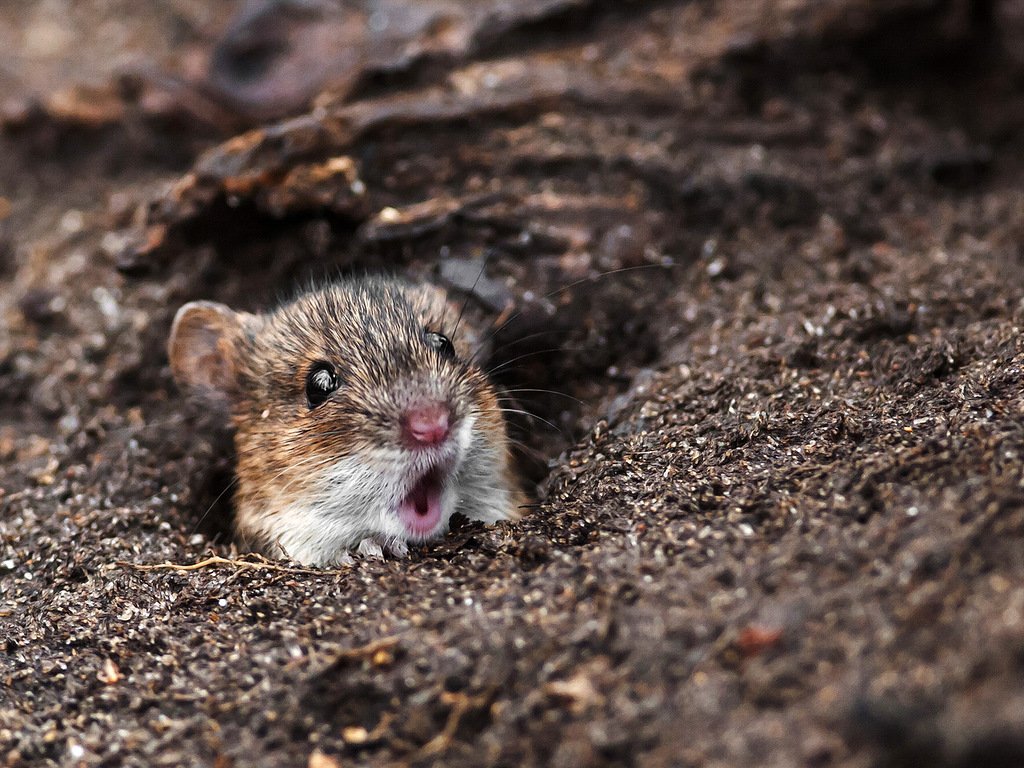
358,500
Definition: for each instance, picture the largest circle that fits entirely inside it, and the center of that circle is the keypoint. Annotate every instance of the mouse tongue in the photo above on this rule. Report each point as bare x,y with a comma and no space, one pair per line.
420,511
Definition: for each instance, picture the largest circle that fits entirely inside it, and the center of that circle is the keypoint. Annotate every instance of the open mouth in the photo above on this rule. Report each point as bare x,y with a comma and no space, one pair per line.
420,511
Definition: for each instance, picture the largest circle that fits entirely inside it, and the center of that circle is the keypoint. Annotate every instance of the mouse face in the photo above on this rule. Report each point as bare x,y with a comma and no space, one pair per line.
358,420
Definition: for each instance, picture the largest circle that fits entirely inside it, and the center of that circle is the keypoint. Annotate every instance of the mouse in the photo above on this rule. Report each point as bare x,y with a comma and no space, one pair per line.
361,419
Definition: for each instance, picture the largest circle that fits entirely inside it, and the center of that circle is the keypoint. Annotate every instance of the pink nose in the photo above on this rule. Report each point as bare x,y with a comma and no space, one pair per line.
426,424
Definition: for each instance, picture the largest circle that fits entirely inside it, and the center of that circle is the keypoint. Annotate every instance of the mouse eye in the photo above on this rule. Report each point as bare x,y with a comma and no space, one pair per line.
321,381
441,343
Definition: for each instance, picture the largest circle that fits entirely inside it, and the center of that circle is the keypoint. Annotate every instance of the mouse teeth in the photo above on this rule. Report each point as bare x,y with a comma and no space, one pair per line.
420,510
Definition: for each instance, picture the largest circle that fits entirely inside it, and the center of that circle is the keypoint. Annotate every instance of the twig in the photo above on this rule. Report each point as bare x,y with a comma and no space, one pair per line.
218,560
461,704
371,648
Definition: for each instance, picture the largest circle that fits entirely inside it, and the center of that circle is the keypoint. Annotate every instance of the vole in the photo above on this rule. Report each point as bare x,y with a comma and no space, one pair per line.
358,422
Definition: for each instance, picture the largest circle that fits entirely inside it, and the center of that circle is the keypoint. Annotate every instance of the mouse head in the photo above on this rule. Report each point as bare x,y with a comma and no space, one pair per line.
356,417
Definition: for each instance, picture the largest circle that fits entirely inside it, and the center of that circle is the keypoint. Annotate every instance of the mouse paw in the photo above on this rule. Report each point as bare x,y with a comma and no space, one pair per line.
345,558
370,548
375,548
397,548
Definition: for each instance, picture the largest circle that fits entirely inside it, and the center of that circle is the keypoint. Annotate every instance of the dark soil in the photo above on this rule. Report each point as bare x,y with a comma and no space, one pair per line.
768,257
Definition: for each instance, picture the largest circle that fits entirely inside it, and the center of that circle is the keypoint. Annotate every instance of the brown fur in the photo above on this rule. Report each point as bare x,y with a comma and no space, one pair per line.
371,331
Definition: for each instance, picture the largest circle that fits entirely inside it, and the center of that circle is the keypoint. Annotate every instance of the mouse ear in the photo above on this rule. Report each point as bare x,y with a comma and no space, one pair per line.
202,350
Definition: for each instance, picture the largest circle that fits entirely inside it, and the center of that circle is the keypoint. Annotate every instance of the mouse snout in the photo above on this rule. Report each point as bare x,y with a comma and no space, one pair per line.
426,424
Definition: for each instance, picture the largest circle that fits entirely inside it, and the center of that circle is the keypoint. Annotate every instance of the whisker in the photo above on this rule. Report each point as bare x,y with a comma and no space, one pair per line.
566,288
535,416
544,392
469,295
495,369
294,480
234,482
525,446
209,509
524,339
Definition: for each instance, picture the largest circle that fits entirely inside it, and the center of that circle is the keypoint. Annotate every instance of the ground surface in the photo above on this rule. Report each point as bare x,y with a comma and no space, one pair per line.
785,524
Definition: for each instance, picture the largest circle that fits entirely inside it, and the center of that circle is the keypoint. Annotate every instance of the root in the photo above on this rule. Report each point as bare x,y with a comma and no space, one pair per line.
461,704
218,560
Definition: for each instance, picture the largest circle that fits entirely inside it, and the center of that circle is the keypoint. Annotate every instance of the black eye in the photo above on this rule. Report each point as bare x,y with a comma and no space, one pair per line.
441,343
321,381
